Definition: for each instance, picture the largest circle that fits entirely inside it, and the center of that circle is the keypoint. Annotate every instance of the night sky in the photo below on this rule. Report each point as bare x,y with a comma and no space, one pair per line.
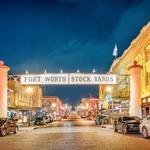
68,34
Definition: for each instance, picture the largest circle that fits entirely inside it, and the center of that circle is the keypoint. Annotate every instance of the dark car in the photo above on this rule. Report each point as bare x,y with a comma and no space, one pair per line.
101,119
127,124
49,119
40,121
8,125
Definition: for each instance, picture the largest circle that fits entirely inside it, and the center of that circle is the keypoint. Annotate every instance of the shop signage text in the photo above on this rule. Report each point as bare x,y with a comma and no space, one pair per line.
72,78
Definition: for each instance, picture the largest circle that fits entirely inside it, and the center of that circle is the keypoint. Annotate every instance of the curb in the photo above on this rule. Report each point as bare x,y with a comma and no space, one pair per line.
106,126
27,129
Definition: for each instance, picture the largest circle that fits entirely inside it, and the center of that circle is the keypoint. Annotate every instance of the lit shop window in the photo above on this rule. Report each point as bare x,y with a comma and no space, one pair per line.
144,100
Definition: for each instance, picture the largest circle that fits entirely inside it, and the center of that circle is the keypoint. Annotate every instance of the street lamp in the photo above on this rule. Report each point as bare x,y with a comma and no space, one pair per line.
53,105
87,105
108,89
29,90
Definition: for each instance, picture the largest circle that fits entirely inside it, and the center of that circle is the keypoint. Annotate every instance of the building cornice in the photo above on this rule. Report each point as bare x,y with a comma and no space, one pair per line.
134,46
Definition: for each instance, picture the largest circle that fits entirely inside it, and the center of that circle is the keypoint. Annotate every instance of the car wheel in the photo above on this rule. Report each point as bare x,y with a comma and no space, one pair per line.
4,132
98,123
95,122
145,132
16,130
124,129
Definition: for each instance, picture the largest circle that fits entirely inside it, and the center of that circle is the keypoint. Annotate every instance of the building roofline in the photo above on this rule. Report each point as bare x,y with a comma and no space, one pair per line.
126,51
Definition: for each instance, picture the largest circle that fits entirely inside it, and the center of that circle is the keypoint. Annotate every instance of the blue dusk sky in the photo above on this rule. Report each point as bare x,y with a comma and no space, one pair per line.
68,34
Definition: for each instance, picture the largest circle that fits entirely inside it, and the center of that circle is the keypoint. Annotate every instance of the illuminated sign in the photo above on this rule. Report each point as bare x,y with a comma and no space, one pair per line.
68,79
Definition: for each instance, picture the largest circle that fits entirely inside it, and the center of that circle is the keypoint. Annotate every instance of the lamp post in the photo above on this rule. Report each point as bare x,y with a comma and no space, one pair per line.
109,90
29,90
3,89
54,109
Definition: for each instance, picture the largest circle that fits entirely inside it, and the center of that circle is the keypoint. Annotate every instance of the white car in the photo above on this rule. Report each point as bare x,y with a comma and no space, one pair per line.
145,127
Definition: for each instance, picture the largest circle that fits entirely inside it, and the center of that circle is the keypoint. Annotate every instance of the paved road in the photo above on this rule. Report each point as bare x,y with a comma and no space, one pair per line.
73,135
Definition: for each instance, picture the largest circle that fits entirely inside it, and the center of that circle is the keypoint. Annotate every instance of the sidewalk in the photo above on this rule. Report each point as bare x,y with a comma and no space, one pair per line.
27,128
107,126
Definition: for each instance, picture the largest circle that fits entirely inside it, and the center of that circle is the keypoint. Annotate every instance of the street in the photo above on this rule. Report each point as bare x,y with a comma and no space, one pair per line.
73,135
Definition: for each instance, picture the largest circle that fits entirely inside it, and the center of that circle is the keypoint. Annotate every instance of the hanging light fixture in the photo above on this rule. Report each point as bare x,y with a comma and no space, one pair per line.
45,71
61,71
78,71
94,70
27,71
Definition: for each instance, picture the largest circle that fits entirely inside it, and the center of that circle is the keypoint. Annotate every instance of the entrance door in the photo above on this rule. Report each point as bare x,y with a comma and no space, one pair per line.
147,111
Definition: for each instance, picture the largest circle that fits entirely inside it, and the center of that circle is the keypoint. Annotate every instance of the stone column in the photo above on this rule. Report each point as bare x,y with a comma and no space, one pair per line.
3,89
135,90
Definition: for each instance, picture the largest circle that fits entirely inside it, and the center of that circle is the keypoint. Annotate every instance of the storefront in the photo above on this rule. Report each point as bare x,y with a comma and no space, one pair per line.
146,106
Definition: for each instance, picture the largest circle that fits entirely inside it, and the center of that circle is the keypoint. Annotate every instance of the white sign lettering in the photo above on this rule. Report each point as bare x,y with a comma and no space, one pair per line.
64,79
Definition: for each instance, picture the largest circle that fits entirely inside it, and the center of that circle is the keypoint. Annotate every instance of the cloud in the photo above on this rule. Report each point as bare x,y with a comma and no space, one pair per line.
68,34
130,23
85,52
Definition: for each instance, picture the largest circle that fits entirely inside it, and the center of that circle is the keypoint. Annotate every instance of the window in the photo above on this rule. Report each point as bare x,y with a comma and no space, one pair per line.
147,53
144,100
138,58
147,78
130,118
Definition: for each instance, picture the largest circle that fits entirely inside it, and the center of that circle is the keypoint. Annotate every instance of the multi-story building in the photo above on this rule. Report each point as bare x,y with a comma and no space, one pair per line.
115,100
84,105
52,104
139,50
90,106
23,99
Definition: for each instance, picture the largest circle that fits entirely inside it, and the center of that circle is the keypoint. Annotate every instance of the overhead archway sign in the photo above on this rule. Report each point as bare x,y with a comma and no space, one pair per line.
67,79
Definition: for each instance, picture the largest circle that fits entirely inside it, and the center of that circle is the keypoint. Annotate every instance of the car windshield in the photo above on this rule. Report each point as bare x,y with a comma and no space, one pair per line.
39,118
130,118
2,121
100,116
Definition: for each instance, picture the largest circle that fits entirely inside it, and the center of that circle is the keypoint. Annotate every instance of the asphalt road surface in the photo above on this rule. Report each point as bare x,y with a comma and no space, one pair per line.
73,135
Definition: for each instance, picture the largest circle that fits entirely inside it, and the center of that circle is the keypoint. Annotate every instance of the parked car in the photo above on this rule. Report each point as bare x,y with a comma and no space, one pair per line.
49,118
101,119
145,127
127,124
7,126
40,121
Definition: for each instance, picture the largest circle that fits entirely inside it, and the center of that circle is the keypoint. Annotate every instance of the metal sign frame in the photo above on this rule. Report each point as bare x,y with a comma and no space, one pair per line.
66,79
